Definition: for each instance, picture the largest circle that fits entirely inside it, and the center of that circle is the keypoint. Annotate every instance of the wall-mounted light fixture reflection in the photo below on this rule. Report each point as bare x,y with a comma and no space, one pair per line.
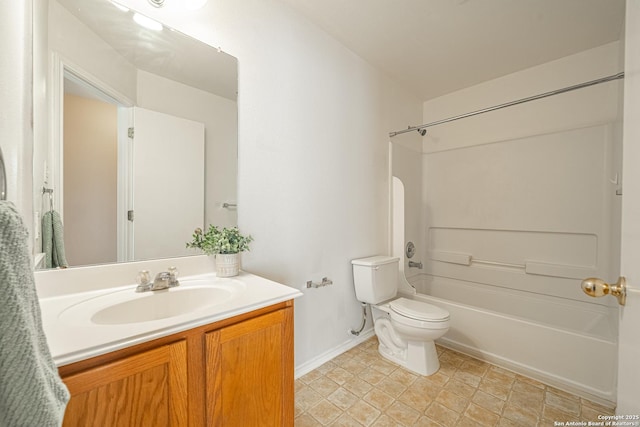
147,22
188,4
121,7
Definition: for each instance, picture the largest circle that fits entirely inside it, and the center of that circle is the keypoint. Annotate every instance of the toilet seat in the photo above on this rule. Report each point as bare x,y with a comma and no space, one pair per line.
418,310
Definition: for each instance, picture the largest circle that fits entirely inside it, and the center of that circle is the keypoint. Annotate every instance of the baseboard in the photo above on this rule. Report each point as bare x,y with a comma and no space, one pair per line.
320,360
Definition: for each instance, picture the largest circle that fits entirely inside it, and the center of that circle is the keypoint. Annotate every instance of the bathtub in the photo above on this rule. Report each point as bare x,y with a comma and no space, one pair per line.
570,345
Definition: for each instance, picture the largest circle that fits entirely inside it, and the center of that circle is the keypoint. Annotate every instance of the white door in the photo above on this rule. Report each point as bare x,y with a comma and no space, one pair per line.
168,183
629,339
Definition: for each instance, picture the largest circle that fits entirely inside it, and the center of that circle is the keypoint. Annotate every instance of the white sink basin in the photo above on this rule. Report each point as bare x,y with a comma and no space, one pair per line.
127,306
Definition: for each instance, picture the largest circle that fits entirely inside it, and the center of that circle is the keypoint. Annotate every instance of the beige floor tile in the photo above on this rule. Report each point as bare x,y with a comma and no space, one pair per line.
306,420
425,421
364,413
403,414
415,399
324,386
423,385
385,421
345,420
482,416
343,398
495,389
325,412
475,367
589,413
442,414
378,399
465,421
535,393
371,375
467,378
458,387
358,386
339,375
439,378
565,404
392,387
403,376
452,401
361,388
306,397
551,414
530,381
522,416
525,400
489,402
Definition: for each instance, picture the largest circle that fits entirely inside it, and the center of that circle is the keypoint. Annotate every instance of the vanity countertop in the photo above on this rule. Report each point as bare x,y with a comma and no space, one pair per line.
72,336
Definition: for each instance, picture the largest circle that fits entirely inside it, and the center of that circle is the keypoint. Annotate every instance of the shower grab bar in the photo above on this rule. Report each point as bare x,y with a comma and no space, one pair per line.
3,178
530,267
509,104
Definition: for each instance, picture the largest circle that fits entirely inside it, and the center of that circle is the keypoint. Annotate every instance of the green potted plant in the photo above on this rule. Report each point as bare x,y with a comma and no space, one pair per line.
225,244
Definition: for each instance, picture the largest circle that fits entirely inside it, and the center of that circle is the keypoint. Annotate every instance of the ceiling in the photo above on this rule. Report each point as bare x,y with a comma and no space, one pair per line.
434,47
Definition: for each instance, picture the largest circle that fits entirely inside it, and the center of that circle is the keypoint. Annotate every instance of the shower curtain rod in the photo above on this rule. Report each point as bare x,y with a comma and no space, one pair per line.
509,104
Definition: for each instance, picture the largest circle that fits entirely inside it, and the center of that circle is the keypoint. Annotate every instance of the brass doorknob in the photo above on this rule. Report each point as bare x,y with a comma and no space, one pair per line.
597,287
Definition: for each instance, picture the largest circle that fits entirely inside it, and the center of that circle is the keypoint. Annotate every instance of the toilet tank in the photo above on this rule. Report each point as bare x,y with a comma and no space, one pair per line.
375,278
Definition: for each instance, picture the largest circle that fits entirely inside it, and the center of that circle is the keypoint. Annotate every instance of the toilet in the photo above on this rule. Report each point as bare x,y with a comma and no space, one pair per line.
406,328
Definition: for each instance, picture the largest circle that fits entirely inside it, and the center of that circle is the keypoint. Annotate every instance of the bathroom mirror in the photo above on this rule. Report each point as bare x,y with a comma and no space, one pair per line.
117,78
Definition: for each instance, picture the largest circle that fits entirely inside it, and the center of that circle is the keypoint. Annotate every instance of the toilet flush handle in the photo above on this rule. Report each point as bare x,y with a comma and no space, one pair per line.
595,287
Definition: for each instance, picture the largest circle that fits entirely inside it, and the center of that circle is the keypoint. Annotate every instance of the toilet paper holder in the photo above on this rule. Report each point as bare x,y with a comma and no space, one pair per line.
325,282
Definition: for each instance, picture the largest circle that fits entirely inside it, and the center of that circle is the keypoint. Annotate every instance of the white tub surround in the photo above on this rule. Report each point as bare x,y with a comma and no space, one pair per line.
71,340
550,339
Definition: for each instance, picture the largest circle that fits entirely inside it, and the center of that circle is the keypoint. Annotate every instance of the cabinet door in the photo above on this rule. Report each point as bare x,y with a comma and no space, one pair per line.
146,389
249,372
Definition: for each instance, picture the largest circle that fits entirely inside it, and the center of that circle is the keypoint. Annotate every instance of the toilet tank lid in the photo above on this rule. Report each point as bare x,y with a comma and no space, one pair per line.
375,260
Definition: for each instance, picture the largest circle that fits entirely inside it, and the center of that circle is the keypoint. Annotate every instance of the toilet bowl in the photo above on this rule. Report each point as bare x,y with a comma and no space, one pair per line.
409,341
406,328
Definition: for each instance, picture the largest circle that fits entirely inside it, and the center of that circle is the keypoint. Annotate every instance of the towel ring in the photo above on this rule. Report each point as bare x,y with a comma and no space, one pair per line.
3,178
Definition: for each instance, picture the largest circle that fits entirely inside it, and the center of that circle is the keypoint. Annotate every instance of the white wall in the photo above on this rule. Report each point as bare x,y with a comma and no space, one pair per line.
16,139
313,155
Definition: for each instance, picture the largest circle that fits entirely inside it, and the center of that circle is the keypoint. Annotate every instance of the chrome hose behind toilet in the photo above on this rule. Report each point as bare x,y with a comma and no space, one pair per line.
364,321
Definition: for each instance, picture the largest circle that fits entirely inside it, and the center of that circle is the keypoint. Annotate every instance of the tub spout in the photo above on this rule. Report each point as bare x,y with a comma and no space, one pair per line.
415,264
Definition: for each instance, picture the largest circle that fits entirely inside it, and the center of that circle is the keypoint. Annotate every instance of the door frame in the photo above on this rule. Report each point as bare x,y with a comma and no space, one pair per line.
628,395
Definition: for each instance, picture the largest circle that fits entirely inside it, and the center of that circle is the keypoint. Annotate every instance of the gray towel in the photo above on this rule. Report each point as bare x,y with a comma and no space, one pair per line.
31,391
53,240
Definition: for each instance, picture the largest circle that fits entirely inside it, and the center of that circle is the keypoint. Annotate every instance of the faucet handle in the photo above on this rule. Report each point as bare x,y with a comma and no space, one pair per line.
143,279
173,276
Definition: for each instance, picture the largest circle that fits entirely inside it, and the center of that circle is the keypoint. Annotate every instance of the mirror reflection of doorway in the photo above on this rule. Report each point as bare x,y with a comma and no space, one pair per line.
129,191
89,173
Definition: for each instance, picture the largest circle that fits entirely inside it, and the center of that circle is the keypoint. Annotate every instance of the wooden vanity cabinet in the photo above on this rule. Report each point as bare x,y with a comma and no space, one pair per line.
236,372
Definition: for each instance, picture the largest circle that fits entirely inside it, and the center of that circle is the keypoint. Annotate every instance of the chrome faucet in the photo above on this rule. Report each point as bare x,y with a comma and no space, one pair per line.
163,280
415,264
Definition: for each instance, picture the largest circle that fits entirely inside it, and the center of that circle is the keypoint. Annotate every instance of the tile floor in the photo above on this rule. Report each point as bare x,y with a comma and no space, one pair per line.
360,388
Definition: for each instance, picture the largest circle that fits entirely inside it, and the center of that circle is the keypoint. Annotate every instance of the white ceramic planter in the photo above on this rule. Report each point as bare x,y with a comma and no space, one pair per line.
227,265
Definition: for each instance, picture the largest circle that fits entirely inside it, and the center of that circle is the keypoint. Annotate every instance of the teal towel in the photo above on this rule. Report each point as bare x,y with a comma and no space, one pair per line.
53,240
31,391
